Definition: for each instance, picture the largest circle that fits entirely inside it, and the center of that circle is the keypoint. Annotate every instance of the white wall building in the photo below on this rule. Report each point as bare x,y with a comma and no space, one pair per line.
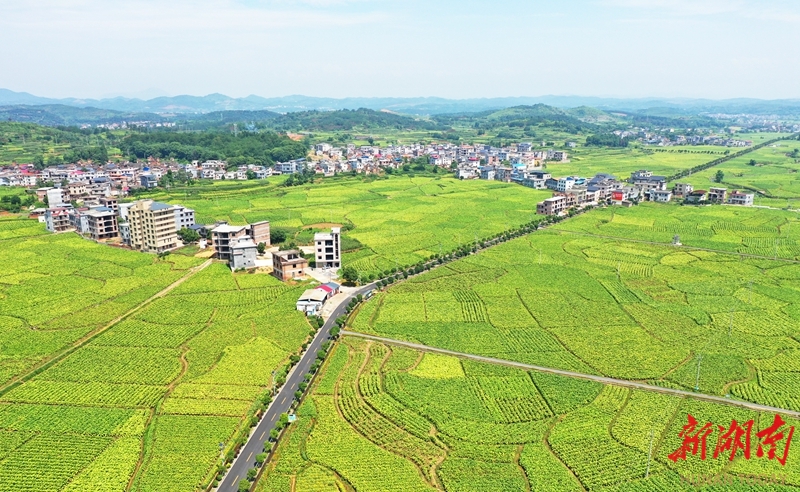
328,249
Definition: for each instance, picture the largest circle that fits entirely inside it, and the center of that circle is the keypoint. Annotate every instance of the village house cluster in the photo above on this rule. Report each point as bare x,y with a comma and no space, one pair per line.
466,159
574,192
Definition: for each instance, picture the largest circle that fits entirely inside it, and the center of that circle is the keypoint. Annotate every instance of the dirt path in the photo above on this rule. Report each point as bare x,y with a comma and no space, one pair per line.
590,377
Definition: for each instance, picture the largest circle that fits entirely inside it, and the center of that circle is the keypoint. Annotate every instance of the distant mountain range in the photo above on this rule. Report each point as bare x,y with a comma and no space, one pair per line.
413,106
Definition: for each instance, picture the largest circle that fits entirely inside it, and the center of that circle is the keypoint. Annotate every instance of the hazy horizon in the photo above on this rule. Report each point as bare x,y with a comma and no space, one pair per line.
710,49
152,93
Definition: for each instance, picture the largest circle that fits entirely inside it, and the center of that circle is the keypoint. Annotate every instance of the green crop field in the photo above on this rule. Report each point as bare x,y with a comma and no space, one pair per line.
588,161
618,308
399,220
55,289
144,404
392,419
746,230
774,175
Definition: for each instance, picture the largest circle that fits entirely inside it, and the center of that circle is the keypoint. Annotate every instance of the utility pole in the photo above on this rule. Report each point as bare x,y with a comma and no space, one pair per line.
649,455
730,325
697,376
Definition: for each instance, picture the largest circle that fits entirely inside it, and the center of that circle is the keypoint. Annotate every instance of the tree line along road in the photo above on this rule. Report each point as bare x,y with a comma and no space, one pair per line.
282,402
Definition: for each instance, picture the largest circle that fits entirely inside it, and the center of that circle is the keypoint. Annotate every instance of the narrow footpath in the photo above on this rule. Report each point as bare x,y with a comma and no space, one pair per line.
94,333
589,377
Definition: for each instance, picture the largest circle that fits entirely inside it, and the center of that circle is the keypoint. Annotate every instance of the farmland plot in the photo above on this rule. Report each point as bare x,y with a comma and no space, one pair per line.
376,423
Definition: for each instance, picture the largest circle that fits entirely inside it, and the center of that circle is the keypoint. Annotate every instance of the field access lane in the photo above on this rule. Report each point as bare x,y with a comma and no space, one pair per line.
578,375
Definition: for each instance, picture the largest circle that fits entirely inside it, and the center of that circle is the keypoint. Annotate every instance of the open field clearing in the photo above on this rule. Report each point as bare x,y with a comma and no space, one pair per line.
146,402
588,161
388,419
604,306
745,230
774,174
55,289
399,220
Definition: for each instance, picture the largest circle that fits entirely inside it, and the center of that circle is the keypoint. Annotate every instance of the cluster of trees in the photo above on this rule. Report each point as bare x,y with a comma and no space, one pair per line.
263,148
181,177
606,140
347,120
188,235
525,118
303,177
14,203
47,146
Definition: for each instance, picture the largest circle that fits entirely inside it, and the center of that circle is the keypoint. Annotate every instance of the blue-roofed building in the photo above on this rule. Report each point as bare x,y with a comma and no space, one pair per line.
148,181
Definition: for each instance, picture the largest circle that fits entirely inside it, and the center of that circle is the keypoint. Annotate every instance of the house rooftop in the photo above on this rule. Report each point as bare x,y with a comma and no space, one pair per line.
159,206
244,242
313,295
225,228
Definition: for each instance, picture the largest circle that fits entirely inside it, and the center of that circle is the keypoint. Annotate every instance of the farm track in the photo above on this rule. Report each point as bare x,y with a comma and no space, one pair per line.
683,246
589,377
93,334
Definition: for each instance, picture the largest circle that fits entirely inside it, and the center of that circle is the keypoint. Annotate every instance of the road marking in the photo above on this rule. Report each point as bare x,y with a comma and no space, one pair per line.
262,435
284,399
251,455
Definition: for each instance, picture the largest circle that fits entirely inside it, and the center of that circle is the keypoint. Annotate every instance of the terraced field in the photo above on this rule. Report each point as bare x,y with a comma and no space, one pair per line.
606,306
145,403
391,419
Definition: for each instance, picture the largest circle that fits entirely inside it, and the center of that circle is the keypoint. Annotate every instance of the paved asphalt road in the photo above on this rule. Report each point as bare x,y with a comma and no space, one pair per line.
282,402
591,377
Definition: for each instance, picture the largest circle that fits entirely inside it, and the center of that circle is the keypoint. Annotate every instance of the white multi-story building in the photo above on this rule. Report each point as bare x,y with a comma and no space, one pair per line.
328,249
740,198
184,217
565,184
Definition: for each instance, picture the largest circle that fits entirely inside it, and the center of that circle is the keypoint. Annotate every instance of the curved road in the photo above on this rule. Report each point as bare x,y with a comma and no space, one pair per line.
570,374
282,402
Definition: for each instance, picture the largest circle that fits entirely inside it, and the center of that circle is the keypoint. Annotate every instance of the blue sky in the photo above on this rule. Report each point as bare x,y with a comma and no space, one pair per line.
448,48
